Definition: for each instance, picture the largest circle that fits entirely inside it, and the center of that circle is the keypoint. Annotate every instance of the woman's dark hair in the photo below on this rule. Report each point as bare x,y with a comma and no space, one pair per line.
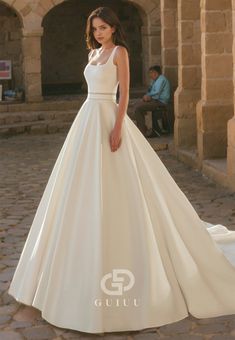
156,68
109,17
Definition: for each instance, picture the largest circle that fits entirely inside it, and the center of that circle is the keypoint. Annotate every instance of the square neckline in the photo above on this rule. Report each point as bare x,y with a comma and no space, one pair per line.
106,60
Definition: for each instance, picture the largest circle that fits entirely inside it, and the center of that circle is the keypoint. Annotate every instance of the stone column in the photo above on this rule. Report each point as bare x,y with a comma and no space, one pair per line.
146,53
231,122
216,105
169,41
189,73
31,49
151,44
154,29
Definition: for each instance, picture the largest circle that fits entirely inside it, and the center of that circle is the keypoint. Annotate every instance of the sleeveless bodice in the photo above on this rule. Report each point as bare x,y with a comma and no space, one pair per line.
102,80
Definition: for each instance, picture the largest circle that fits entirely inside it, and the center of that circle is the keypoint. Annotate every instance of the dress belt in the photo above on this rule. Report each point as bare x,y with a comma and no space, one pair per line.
102,95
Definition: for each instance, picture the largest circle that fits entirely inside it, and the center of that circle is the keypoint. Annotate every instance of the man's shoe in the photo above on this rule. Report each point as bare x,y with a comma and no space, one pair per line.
154,134
165,132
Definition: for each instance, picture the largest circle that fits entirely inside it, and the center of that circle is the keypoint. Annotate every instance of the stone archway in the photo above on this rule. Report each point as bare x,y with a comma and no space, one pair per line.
10,5
58,33
32,14
63,42
30,18
11,49
149,12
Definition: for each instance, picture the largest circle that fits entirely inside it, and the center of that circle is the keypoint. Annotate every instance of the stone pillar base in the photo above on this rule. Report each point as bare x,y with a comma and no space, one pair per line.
34,99
185,117
31,47
212,121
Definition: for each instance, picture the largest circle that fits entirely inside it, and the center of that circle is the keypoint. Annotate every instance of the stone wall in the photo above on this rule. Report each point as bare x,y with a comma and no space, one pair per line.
189,72
169,41
10,45
216,105
231,122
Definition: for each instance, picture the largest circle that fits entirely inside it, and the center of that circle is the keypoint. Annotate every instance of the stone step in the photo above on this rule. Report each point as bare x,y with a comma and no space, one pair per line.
35,127
57,103
21,116
35,122
12,123
49,105
17,117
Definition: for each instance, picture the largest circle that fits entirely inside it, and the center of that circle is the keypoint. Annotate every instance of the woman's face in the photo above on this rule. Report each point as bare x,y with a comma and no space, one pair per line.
102,31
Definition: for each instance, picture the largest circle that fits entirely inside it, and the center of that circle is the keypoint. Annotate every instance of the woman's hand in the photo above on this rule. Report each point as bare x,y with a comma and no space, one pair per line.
115,138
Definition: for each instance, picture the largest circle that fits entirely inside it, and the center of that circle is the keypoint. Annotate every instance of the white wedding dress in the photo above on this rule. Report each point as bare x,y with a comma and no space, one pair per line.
115,245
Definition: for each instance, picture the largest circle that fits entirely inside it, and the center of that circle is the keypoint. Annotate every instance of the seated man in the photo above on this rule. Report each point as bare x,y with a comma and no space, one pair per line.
158,94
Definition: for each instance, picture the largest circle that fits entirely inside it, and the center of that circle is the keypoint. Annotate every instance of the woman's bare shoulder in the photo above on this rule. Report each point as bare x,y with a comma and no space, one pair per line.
121,52
91,53
121,49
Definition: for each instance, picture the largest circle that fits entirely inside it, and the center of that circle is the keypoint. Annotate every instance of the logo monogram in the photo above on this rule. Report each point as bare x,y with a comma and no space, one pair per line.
117,278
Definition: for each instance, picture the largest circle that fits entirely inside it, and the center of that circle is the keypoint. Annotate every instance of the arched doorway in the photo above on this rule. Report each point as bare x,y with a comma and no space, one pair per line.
64,53
11,49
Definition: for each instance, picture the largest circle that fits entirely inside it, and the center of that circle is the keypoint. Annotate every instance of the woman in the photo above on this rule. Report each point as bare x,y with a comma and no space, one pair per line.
115,245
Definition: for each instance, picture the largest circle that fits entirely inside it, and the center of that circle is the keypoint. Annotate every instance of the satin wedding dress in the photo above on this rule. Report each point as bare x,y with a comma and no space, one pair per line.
115,245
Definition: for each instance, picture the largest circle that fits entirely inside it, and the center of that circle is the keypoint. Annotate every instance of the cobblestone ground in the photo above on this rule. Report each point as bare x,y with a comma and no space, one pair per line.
26,162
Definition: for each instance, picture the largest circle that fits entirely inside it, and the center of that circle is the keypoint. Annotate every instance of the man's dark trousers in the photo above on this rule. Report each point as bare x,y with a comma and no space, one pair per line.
140,109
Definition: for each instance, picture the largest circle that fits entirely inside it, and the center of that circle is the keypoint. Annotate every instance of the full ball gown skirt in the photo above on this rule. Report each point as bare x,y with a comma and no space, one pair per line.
115,245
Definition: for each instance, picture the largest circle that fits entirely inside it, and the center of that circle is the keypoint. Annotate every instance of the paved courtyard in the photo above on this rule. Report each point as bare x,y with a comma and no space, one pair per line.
25,164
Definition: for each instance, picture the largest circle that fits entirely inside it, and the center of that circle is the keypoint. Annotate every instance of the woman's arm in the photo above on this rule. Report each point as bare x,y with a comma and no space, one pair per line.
121,59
